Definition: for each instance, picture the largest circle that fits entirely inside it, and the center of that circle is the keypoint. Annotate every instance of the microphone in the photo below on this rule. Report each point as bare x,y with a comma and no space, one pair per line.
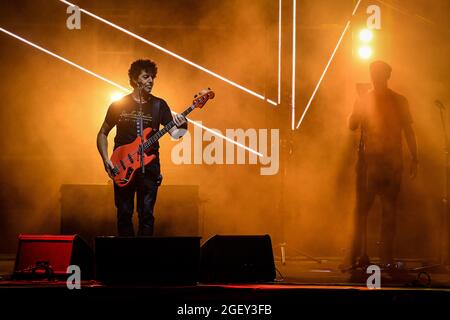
439,104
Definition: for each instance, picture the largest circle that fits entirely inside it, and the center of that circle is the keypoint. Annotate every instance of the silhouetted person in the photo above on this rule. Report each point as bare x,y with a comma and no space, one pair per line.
381,115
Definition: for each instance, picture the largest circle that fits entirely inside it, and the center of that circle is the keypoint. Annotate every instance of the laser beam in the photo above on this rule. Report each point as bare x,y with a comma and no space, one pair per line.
294,29
121,87
73,64
279,50
173,54
347,25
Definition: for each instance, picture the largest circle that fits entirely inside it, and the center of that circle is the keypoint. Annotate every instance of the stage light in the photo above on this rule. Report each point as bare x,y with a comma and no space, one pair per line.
116,96
365,35
365,52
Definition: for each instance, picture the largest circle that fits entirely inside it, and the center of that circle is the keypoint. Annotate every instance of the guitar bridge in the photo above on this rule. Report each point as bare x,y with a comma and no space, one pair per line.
128,175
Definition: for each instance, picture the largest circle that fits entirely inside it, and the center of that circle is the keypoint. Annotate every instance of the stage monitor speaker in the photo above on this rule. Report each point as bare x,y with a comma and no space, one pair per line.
48,256
147,260
237,259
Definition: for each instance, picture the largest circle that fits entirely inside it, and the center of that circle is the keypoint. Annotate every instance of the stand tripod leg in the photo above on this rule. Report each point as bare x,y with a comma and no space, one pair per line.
308,256
283,253
283,246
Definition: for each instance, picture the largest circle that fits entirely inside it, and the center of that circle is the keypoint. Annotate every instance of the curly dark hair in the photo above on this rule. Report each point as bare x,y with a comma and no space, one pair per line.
137,66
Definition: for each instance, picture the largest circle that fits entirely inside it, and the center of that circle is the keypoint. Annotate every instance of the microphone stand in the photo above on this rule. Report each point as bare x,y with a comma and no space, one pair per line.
444,256
140,133
444,244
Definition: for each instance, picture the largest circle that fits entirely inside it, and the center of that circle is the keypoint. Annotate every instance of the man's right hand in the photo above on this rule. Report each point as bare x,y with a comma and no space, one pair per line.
108,168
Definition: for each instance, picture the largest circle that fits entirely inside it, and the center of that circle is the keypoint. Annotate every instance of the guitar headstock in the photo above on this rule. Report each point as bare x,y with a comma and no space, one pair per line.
202,97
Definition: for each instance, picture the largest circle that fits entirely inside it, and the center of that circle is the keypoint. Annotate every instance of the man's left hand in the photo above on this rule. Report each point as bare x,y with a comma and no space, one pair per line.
179,120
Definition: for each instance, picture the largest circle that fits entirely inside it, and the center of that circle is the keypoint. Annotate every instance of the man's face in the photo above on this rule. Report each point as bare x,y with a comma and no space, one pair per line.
379,79
145,80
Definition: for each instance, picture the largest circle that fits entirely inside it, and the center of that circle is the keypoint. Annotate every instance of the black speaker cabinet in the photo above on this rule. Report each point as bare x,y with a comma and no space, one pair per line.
147,260
237,259
44,256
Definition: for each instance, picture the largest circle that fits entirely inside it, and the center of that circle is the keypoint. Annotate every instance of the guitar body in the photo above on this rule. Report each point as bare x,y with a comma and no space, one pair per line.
126,160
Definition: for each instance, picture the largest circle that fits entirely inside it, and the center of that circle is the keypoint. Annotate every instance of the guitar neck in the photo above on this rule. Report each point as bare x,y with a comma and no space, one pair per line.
167,127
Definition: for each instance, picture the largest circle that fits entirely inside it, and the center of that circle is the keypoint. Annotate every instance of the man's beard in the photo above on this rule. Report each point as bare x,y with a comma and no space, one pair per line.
147,90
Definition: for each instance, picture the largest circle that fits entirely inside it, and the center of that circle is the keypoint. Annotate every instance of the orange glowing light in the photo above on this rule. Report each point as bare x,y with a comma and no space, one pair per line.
116,96
365,52
365,35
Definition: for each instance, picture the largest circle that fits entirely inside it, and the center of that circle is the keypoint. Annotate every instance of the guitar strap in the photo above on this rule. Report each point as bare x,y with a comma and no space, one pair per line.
155,126
155,115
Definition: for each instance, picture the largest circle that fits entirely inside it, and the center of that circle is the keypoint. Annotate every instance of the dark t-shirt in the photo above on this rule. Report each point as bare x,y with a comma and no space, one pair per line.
124,115
382,119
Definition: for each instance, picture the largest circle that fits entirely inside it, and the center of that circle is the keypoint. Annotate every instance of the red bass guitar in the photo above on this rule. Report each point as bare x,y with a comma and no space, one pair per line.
126,159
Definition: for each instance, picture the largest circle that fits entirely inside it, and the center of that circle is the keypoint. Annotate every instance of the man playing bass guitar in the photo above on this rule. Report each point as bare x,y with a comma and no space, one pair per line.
125,115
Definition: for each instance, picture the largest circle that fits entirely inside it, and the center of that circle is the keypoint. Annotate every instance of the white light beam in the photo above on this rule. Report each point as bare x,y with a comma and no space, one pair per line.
62,59
328,65
279,50
122,88
294,29
173,54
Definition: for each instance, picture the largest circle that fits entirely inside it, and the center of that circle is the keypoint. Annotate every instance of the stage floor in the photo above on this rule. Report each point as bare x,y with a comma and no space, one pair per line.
307,287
